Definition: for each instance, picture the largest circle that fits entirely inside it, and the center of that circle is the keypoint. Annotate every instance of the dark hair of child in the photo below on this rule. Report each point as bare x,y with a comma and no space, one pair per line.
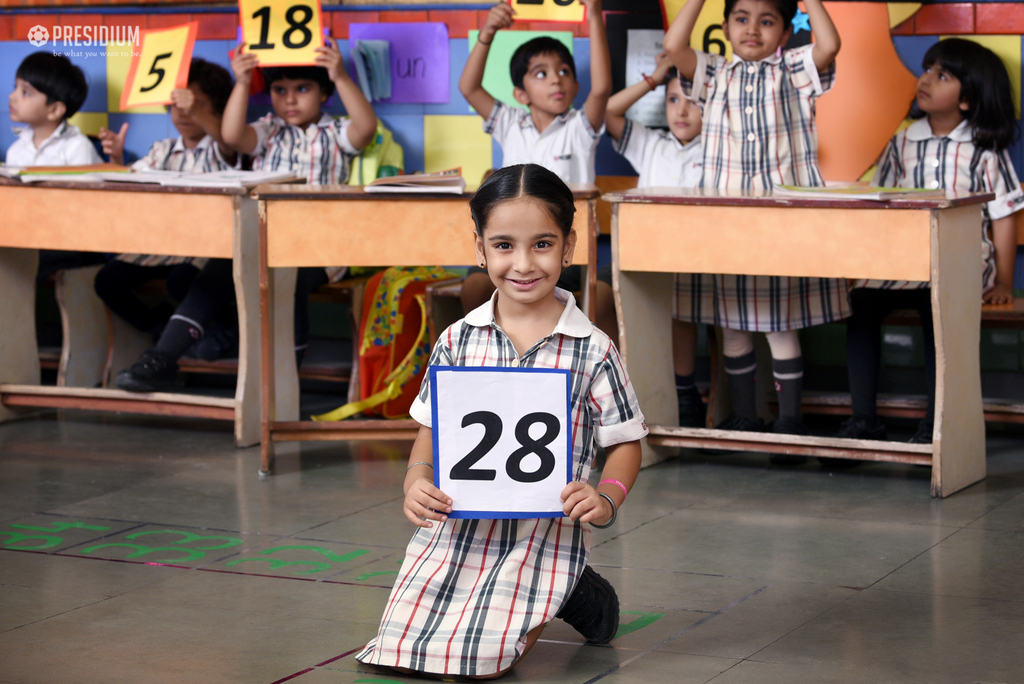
785,8
543,45
214,80
300,73
524,180
984,86
57,78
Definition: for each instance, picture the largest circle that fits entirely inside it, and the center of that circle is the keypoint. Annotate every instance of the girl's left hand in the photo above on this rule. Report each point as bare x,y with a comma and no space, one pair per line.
1000,294
582,502
329,57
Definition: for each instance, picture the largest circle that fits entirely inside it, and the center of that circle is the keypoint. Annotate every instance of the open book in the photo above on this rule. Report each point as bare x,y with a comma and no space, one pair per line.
861,192
450,181
87,173
111,173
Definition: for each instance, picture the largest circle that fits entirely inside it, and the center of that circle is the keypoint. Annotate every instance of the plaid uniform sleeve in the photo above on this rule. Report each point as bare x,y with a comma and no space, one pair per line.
804,74
704,75
497,124
633,144
265,128
441,356
889,170
1001,179
339,131
613,403
157,151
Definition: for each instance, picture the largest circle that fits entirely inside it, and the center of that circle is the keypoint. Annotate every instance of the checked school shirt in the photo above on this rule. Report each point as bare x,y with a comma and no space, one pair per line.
469,591
172,155
759,131
917,158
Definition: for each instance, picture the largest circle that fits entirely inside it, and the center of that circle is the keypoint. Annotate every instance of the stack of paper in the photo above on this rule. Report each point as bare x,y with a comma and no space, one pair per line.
450,181
861,192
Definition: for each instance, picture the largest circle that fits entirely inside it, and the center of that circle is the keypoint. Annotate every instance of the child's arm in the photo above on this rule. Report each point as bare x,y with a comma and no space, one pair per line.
113,143
677,38
583,502
234,131
185,100
364,120
615,117
422,498
1004,239
826,37
472,79
600,66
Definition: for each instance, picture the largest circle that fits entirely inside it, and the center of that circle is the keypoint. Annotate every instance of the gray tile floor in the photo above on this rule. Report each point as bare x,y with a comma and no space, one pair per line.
146,550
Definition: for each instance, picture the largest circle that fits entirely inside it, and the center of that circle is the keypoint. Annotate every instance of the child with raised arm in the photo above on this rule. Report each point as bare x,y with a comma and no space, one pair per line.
462,603
674,159
549,132
964,124
196,114
300,137
759,131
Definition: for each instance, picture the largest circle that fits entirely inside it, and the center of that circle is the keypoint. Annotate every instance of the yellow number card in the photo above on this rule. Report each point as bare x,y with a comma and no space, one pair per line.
569,11
160,66
282,32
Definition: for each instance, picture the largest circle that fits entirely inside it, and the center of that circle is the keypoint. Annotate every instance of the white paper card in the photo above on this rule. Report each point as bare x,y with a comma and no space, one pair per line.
642,49
502,443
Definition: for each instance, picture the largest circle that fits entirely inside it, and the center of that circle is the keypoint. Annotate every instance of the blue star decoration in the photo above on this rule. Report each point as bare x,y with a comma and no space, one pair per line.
802,21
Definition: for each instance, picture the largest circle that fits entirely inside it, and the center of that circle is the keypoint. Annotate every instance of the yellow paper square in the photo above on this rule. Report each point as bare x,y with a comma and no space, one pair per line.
451,140
282,32
118,62
162,66
707,34
90,122
549,10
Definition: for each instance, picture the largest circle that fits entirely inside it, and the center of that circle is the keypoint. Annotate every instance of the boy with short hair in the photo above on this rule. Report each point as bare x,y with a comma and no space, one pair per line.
550,132
48,89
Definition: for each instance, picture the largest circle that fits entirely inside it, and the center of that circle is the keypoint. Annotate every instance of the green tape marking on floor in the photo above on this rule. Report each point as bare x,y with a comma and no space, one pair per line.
368,575
644,620
189,537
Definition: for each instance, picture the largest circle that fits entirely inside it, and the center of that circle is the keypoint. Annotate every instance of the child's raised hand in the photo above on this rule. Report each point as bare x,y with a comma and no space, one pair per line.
329,57
661,70
243,64
500,17
592,6
184,99
583,503
424,500
113,143
1000,294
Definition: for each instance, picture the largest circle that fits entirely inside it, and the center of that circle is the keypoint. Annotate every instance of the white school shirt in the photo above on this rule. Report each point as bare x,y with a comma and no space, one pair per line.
567,147
66,146
172,155
659,157
322,154
917,158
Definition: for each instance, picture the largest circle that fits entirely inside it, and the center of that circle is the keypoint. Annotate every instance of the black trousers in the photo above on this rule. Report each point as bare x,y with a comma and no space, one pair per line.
116,280
864,343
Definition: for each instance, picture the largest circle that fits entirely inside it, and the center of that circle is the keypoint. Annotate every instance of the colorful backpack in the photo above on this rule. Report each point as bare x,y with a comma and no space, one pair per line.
394,344
381,158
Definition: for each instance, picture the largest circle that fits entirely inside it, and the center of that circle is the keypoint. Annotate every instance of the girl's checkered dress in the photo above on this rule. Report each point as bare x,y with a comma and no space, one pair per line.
470,590
758,132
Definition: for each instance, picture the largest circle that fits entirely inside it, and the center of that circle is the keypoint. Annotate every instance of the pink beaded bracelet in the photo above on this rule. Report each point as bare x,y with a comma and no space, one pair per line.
625,492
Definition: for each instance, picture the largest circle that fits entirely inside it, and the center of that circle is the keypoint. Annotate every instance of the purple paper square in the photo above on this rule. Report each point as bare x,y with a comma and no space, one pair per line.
419,59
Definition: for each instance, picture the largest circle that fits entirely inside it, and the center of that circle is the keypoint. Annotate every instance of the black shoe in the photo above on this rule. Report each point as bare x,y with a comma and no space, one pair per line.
593,608
787,426
692,411
151,373
924,433
220,342
859,427
741,424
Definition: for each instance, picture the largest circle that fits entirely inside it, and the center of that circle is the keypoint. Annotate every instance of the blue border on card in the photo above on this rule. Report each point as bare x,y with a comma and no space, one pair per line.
490,515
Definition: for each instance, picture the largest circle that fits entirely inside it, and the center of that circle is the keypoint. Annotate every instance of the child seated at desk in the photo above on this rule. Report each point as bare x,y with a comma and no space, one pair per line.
299,136
965,122
759,131
674,159
196,114
550,132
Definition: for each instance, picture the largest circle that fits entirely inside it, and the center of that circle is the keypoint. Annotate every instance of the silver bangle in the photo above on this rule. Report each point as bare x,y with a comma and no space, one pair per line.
426,463
615,513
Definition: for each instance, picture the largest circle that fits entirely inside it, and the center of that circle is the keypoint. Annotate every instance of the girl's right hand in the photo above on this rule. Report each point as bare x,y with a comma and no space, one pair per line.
500,17
661,70
425,502
243,64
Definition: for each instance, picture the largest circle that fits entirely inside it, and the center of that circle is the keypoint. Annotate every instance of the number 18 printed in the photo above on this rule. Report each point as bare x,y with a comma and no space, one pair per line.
502,440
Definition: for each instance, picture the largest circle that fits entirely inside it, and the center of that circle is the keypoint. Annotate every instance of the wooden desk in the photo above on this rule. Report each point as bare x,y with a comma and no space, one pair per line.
658,232
133,218
341,225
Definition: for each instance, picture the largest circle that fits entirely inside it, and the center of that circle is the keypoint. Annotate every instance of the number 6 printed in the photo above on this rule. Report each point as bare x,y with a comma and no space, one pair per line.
282,32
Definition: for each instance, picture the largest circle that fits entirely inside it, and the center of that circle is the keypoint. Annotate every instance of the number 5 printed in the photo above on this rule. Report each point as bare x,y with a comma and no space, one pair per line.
282,32
159,65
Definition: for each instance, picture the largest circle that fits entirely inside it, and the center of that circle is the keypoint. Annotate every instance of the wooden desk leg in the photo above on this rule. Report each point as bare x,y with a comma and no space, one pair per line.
19,350
83,317
267,385
592,230
643,302
958,459
245,271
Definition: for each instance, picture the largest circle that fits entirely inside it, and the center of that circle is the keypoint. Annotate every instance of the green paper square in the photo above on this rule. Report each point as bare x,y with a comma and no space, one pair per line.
497,79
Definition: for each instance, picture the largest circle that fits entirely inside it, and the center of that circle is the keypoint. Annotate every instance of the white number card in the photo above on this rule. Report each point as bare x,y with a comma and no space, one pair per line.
502,442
